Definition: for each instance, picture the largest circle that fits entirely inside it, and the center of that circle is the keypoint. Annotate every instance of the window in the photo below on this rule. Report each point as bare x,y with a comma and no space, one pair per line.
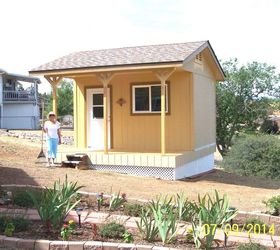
97,105
147,98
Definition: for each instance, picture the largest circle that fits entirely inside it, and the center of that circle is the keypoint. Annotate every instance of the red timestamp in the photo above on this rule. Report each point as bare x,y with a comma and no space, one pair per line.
234,229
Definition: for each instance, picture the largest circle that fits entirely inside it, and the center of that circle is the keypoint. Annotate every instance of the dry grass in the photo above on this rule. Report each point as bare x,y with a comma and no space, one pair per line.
17,166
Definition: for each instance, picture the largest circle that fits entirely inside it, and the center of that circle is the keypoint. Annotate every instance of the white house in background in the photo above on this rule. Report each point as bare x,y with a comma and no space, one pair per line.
19,101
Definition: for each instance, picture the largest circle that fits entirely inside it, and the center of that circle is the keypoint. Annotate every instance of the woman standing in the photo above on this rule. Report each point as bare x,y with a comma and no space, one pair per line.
53,136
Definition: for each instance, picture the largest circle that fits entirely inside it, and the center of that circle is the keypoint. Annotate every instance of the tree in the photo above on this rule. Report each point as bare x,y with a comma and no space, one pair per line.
243,99
64,99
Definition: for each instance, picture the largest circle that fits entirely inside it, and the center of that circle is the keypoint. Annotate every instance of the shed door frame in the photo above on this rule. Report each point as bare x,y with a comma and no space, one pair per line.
97,124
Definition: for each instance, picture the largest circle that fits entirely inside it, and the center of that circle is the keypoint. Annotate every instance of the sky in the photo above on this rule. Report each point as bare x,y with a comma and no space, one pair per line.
33,32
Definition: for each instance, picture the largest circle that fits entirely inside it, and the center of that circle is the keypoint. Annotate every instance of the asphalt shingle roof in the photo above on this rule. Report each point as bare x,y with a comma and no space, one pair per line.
162,53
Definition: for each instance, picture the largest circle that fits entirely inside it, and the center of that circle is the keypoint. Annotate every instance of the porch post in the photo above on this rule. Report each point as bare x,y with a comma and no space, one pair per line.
54,80
163,75
54,100
162,117
105,78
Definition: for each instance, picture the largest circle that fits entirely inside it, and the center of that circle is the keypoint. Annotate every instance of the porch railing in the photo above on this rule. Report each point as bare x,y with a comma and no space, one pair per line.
22,95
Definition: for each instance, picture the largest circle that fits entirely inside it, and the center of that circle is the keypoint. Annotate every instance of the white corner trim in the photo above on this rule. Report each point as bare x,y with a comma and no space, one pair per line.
196,167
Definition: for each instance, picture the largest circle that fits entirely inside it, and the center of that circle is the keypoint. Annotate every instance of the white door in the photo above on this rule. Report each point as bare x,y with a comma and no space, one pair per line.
95,121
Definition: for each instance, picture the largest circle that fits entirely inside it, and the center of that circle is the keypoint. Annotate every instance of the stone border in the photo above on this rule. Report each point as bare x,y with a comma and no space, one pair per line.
28,244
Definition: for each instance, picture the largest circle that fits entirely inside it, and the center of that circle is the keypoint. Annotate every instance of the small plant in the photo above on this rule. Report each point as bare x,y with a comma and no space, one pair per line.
210,213
112,230
273,204
100,200
184,207
165,218
127,237
147,226
116,201
54,204
252,223
9,230
251,246
189,235
67,229
133,209
3,223
20,223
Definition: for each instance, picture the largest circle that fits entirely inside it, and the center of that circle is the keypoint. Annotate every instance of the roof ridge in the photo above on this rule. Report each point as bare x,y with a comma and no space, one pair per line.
140,46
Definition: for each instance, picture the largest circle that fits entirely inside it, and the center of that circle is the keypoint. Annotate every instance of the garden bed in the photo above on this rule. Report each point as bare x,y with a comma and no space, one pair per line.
99,210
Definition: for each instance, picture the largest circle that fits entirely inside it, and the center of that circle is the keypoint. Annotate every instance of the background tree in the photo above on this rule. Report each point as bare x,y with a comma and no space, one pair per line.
243,99
64,99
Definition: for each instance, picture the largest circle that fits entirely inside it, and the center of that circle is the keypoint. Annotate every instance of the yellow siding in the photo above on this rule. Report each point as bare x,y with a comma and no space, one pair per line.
142,132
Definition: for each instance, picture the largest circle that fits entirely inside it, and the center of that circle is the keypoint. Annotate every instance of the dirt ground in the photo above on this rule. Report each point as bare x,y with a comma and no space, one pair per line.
18,166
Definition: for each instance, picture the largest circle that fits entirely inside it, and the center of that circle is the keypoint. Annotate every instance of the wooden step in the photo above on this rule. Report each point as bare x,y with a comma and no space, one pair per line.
78,157
77,161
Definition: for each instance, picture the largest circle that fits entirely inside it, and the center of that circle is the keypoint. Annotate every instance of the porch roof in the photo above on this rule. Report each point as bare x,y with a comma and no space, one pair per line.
128,56
20,77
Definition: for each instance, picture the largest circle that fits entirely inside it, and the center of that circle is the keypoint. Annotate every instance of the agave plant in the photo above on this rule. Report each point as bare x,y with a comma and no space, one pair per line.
184,207
55,203
147,225
116,201
165,218
210,213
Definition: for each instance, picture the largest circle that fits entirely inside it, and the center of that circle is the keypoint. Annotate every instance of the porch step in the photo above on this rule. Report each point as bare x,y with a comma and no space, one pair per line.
77,161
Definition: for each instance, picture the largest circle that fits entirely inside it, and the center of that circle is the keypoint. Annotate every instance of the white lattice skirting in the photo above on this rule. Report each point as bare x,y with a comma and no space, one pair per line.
204,164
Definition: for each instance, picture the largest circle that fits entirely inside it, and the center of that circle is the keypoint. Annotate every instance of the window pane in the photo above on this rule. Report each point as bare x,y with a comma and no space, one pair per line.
156,98
142,99
97,99
156,102
97,112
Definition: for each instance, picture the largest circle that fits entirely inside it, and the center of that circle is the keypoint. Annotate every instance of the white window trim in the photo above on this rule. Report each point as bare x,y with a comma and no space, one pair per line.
150,99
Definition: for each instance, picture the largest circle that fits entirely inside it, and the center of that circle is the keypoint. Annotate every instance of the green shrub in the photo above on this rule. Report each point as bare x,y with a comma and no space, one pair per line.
54,204
255,155
256,221
273,205
3,223
269,127
112,230
133,209
20,224
9,229
23,199
128,237
251,246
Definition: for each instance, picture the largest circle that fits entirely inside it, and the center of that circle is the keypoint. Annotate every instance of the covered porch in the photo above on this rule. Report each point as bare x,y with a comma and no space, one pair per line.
105,122
170,166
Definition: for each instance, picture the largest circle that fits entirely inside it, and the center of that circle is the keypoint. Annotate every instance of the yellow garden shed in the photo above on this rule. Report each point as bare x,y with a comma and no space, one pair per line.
146,110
